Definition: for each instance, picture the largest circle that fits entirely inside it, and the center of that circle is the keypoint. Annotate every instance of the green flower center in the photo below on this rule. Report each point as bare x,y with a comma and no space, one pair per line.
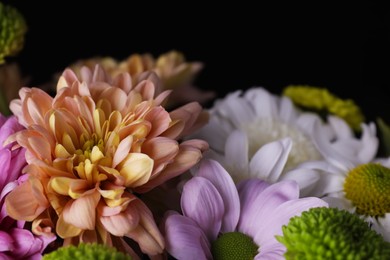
234,245
368,187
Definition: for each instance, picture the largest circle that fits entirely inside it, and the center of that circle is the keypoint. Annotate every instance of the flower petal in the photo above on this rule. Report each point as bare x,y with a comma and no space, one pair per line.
268,162
202,202
256,211
27,201
280,215
236,150
136,169
81,212
184,239
217,175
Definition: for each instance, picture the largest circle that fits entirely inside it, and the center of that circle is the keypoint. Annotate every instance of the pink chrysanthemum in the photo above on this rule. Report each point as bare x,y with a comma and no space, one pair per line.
16,242
94,145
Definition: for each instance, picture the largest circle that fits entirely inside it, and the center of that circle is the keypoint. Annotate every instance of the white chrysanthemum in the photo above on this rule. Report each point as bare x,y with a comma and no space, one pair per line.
353,179
245,128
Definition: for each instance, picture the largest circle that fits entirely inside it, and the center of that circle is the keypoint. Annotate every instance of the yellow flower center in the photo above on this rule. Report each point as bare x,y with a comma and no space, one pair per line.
368,188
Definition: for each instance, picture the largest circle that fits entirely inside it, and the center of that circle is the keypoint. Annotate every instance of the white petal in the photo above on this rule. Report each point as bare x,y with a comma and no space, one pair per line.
236,151
340,203
342,130
268,162
306,179
287,111
370,144
264,104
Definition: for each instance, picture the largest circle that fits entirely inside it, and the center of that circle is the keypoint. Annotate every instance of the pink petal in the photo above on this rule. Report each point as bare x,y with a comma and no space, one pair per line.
202,202
184,239
254,212
221,180
272,224
6,242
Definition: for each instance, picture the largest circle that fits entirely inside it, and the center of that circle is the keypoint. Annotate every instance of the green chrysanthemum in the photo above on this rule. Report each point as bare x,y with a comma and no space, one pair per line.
12,30
86,252
329,233
322,101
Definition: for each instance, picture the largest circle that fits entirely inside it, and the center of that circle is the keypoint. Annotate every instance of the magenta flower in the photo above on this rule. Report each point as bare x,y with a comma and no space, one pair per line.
221,220
16,242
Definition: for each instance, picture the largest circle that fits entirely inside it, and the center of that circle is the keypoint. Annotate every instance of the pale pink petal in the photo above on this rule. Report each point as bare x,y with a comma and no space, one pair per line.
202,203
265,201
280,215
217,175
184,239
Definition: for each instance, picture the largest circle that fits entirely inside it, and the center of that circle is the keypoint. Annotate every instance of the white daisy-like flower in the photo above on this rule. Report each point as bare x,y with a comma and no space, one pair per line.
245,128
353,179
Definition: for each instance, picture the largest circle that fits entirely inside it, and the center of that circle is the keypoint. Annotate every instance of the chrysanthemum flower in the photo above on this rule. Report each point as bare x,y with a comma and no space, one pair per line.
257,134
320,100
329,233
221,221
12,28
16,241
91,148
86,251
354,180
172,68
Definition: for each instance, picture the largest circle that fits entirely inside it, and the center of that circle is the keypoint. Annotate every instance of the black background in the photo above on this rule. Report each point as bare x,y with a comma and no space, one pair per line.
343,48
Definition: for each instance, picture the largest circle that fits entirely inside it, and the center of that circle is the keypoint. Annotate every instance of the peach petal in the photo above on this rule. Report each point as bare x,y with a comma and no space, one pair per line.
26,201
189,154
122,223
146,233
123,81
122,151
65,229
81,212
160,120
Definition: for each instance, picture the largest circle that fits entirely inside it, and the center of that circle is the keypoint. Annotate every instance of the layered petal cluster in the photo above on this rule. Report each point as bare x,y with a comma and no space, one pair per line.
92,148
172,68
247,127
214,207
16,242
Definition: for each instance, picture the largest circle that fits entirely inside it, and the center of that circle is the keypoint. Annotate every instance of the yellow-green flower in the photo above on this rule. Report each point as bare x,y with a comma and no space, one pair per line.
330,233
12,30
86,251
322,101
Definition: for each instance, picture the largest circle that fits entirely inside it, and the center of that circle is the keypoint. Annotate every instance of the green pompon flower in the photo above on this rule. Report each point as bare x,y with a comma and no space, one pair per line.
329,233
86,252
320,100
12,30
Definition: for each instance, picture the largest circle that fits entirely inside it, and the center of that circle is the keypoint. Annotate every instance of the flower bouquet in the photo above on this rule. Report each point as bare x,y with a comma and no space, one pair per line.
118,160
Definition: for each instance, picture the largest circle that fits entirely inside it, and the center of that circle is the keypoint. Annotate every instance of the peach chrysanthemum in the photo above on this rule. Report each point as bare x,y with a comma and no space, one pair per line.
172,68
91,148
